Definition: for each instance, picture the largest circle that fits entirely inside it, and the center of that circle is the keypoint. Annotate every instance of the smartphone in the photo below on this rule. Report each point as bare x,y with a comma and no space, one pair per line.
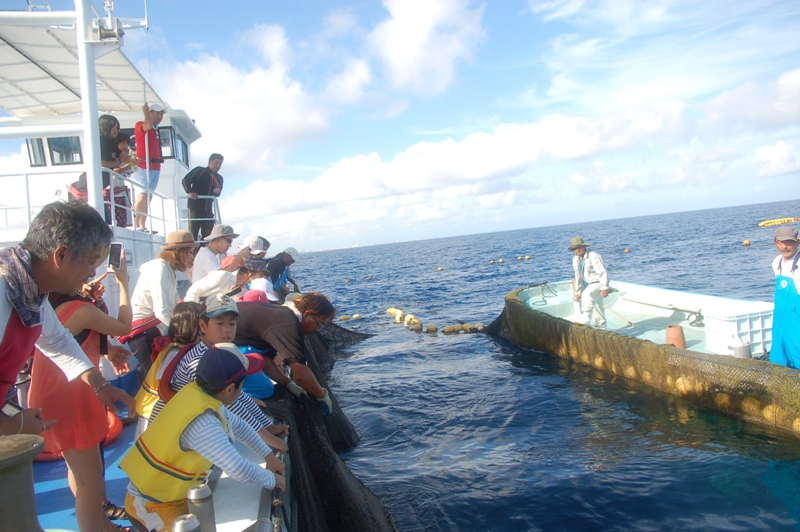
115,255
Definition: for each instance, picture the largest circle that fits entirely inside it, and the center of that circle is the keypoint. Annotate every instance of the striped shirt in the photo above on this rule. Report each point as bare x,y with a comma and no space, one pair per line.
185,372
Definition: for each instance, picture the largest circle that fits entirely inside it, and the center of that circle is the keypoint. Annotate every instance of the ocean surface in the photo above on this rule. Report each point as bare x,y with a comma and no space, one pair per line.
468,432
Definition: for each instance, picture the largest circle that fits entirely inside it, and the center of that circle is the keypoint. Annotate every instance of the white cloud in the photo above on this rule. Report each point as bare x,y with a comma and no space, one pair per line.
348,86
424,40
779,159
263,115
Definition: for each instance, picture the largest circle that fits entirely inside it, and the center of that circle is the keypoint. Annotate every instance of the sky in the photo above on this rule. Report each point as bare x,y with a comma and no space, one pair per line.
349,123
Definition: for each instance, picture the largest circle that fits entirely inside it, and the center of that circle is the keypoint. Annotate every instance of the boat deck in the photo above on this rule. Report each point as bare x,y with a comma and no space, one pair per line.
710,324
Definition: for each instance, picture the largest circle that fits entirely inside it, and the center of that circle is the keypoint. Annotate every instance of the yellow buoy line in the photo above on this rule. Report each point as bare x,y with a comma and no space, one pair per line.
778,221
412,323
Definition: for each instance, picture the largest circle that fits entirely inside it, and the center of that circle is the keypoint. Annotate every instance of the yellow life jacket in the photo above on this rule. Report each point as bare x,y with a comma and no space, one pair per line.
157,464
163,367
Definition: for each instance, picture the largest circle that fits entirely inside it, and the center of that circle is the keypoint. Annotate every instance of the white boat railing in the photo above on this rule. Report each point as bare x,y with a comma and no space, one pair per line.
217,216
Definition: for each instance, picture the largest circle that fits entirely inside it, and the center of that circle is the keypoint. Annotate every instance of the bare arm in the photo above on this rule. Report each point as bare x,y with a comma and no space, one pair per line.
305,378
148,124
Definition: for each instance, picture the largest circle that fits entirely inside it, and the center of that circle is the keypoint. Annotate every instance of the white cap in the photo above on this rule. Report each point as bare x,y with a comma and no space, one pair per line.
157,107
257,244
292,252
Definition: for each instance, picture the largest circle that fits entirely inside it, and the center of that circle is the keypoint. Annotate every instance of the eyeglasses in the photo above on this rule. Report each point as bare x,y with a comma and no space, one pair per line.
316,319
229,240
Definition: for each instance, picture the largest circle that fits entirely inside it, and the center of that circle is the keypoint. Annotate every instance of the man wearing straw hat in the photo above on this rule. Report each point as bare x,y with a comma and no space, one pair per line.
156,294
590,283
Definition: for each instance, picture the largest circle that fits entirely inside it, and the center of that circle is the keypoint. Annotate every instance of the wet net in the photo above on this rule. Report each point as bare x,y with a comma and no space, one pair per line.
750,389
326,496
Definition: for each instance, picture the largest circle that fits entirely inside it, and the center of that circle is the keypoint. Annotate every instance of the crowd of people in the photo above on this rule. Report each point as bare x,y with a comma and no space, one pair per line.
199,390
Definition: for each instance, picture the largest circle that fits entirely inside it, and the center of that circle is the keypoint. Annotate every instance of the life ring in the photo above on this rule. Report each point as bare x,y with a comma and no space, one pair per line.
114,429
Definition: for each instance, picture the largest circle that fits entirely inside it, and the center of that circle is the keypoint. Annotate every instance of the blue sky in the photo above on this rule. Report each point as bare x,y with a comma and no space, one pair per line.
360,122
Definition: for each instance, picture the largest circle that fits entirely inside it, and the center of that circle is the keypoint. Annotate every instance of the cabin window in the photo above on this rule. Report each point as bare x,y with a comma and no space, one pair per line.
165,136
181,150
36,152
65,150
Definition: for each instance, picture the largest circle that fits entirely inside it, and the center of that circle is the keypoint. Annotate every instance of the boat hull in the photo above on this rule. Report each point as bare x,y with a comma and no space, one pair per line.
750,389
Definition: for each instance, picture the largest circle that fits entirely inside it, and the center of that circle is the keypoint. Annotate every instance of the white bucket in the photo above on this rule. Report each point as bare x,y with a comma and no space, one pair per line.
741,351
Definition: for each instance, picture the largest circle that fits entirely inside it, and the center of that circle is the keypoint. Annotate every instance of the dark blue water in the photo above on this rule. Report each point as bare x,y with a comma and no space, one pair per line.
466,432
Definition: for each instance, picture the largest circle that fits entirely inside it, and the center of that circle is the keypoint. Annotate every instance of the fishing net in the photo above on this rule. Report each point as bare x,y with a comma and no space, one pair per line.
325,494
751,389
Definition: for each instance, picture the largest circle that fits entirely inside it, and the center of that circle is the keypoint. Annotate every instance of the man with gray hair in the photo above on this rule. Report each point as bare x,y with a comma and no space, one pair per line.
786,316
64,245
590,283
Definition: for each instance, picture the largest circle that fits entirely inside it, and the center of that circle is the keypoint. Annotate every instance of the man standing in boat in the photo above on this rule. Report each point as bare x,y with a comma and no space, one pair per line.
590,283
786,317
148,143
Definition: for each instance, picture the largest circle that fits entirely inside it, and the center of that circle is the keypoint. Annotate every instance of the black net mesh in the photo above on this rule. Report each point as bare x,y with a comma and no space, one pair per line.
325,494
751,389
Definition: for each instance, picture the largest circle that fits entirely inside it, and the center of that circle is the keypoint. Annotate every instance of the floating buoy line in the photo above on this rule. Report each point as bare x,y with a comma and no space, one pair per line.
412,323
778,221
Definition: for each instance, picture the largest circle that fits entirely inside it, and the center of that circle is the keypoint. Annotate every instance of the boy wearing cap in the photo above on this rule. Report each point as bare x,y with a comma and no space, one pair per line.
590,282
786,317
229,283
203,181
192,433
219,242
148,151
218,325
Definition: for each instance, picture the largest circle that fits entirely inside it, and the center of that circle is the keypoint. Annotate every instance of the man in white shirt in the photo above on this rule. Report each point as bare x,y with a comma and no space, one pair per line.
228,283
786,317
591,282
208,260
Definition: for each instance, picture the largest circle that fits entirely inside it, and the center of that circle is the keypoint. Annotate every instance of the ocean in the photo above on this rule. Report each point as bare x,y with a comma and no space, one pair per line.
468,432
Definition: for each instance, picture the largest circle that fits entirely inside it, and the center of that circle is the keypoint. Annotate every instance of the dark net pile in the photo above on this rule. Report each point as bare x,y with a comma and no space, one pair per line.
751,389
325,494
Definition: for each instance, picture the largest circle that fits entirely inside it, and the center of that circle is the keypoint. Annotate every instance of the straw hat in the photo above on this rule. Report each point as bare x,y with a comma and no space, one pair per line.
577,242
179,239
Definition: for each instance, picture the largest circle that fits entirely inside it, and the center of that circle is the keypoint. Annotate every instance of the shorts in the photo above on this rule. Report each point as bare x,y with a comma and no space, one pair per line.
140,178
155,515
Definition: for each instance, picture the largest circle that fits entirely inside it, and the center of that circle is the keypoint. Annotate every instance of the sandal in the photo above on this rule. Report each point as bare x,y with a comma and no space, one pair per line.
114,512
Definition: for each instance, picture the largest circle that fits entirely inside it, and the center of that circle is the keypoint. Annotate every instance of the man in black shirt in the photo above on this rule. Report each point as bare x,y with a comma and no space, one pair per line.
203,181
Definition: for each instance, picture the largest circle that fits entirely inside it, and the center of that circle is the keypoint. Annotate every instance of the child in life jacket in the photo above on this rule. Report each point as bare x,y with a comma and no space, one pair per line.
193,432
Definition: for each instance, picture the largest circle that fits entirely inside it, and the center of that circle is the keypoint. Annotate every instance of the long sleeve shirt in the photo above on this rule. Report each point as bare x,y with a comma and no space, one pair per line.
591,269
218,282
156,292
186,371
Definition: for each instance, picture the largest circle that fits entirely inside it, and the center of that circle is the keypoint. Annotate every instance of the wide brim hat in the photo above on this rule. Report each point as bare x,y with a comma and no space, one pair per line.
221,231
577,242
179,240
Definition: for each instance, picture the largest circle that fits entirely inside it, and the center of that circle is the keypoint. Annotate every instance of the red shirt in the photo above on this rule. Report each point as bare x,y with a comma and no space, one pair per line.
155,145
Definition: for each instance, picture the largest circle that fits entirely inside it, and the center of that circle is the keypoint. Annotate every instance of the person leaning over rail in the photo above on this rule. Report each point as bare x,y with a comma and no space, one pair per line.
193,432
786,317
229,283
64,245
590,282
279,333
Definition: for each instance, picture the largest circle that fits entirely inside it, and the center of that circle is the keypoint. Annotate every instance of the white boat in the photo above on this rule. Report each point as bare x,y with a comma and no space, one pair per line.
709,324
720,367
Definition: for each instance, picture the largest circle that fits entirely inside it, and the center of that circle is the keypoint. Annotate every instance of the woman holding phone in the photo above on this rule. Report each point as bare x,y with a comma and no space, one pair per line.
82,422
